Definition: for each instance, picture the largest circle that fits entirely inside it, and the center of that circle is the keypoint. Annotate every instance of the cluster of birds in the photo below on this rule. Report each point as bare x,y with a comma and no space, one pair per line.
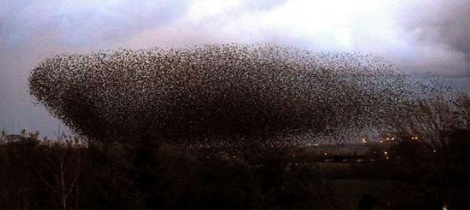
230,92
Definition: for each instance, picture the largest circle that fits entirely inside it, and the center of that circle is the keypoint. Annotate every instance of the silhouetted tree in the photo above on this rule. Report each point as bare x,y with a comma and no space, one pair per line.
429,132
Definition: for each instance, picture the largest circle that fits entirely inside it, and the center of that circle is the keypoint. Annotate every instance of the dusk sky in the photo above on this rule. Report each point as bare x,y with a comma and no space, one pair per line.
420,36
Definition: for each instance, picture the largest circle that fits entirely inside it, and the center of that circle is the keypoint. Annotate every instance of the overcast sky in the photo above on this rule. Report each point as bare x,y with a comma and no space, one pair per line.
418,36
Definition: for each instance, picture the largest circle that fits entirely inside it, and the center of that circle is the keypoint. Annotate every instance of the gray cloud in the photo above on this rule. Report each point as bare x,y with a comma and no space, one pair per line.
442,26
446,24
81,23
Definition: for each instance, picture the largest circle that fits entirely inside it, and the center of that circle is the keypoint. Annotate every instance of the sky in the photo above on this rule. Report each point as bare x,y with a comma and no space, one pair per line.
419,37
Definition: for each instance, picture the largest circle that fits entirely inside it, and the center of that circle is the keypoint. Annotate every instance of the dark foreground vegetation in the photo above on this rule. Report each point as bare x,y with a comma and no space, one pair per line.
75,174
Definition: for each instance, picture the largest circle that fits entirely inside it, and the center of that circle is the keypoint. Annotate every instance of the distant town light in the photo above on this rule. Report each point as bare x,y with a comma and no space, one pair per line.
385,153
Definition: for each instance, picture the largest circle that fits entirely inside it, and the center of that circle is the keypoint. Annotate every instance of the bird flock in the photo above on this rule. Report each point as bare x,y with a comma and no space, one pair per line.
230,92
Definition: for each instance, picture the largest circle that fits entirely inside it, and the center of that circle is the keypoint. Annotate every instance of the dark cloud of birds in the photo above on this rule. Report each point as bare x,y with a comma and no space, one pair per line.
216,92
418,36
